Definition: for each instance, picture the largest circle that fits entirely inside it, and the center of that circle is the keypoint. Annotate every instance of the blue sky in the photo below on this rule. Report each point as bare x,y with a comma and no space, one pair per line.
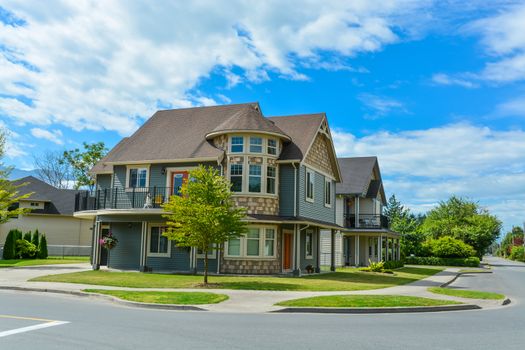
435,89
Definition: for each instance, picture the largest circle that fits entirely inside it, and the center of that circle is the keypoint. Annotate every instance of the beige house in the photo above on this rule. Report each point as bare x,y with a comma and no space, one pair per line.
52,214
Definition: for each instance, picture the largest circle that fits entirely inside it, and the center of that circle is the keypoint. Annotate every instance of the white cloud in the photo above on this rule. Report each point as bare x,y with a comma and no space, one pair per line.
423,167
445,79
513,107
380,106
54,136
107,65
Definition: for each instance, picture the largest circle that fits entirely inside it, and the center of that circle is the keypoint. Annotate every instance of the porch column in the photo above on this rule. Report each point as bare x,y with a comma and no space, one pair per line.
332,250
380,253
398,249
96,246
318,250
297,241
357,244
143,245
387,249
356,207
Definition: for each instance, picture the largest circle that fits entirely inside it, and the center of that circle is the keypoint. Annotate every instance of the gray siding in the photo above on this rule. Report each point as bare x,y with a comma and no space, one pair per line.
317,209
286,190
303,261
126,255
178,261
103,181
156,178
119,176
212,264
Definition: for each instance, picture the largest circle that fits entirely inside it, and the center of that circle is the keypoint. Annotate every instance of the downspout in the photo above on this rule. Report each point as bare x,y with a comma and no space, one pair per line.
294,190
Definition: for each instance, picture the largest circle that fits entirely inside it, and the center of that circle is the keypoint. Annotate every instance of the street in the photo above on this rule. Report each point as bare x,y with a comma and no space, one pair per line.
82,323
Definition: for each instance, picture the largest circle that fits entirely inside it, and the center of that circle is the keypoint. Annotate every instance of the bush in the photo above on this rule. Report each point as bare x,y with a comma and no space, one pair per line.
42,248
27,236
34,239
517,253
376,266
9,246
25,249
390,265
448,247
432,260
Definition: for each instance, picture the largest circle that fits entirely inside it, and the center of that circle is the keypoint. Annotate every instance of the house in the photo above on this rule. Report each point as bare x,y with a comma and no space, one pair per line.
282,169
52,214
360,198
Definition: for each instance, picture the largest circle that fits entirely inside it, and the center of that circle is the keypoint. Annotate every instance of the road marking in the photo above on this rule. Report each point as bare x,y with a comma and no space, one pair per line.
26,318
46,324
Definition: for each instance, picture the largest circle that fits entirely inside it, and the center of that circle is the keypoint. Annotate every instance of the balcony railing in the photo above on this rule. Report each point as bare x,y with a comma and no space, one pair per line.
121,198
367,221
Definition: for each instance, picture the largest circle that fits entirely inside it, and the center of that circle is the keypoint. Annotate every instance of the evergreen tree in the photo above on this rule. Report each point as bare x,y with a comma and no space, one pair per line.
9,246
27,236
42,248
35,237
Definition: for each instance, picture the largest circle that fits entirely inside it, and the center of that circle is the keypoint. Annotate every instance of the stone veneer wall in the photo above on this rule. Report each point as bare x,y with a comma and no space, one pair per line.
221,142
258,205
254,266
319,155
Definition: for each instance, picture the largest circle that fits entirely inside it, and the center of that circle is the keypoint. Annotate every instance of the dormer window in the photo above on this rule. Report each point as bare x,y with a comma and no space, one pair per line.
256,144
272,146
237,145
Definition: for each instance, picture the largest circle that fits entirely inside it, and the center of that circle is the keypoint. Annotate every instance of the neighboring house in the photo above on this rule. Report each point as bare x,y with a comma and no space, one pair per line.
360,200
52,214
282,169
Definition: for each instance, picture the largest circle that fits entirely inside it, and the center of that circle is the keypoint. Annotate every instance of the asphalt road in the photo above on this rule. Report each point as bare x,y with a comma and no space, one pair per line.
94,324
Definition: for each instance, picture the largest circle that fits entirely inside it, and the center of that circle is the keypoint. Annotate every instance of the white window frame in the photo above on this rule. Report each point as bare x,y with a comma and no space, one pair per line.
128,176
256,144
260,176
231,144
212,254
267,177
243,169
327,196
148,248
268,146
309,233
262,241
312,179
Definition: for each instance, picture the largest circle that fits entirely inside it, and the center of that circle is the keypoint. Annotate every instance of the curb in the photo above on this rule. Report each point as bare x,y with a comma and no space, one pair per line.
376,310
109,298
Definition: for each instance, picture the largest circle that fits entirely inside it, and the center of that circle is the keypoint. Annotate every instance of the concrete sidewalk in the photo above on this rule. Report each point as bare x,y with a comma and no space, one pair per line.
240,301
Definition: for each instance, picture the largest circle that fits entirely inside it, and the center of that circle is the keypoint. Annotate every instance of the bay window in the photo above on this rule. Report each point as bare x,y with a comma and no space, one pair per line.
254,181
236,177
237,144
270,179
272,146
258,242
252,242
256,144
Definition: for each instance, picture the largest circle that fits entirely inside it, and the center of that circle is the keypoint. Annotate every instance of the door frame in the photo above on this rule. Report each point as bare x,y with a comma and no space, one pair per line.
291,250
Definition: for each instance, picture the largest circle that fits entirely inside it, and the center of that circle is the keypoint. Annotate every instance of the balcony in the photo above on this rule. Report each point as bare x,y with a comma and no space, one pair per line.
367,221
122,198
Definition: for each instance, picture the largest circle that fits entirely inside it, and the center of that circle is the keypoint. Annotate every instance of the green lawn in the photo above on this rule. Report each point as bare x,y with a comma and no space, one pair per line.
179,298
471,294
49,261
365,301
475,271
342,280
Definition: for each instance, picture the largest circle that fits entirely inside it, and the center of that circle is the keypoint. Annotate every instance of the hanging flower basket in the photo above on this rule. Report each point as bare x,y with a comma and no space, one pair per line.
109,242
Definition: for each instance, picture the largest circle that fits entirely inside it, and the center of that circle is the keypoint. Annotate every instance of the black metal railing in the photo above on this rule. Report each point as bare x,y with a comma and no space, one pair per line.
122,198
367,221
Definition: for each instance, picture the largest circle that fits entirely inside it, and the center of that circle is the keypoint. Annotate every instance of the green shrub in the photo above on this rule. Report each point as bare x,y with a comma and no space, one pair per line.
42,248
517,253
376,266
26,249
390,265
448,247
9,246
432,260
27,236
35,239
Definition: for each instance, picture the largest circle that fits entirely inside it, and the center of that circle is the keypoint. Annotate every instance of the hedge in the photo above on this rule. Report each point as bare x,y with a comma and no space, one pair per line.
390,265
432,260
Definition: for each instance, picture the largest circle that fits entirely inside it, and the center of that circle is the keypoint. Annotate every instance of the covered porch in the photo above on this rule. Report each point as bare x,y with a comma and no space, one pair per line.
360,247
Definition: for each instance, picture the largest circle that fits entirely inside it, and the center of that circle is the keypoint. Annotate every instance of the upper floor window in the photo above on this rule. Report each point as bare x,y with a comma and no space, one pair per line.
256,144
137,177
327,192
236,177
270,179
309,185
254,182
272,146
237,144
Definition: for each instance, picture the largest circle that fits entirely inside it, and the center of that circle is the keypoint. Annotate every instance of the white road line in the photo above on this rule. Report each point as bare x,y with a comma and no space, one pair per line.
32,328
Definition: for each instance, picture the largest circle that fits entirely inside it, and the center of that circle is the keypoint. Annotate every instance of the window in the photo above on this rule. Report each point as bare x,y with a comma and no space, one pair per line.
137,177
270,179
236,177
309,185
158,245
309,245
255,144
252,242
272,146
327,192
34,204
259,242
237,144
211,252
254,182
269,242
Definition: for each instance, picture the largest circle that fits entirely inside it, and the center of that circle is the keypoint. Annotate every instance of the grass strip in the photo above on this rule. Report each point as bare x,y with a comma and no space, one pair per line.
155,297
470,294
35,262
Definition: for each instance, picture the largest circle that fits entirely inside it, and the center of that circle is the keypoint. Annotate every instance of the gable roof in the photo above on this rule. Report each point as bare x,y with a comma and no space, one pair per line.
357,177
60,201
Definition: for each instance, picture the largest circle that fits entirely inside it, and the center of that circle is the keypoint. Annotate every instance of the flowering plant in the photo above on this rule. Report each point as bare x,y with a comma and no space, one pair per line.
109,242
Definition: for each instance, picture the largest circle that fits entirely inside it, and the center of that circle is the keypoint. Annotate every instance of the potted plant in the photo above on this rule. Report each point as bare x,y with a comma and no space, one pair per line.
109,242
309,269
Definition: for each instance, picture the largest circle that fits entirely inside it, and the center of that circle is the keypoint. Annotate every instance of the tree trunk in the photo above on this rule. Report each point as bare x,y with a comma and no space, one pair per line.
206,267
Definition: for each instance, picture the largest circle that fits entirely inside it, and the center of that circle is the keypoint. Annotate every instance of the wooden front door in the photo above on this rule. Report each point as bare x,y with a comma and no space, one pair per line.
287,251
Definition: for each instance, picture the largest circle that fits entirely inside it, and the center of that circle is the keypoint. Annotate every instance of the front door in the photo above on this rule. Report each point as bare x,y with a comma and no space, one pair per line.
287,251
104,231
177,179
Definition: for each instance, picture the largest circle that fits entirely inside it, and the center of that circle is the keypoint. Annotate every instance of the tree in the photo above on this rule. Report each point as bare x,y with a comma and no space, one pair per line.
35,237
394,209
204,215
42,248
81,162
9,246
53,168
464,220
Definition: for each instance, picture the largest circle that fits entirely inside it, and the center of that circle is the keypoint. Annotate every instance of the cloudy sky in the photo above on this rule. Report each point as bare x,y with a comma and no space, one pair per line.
435,89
